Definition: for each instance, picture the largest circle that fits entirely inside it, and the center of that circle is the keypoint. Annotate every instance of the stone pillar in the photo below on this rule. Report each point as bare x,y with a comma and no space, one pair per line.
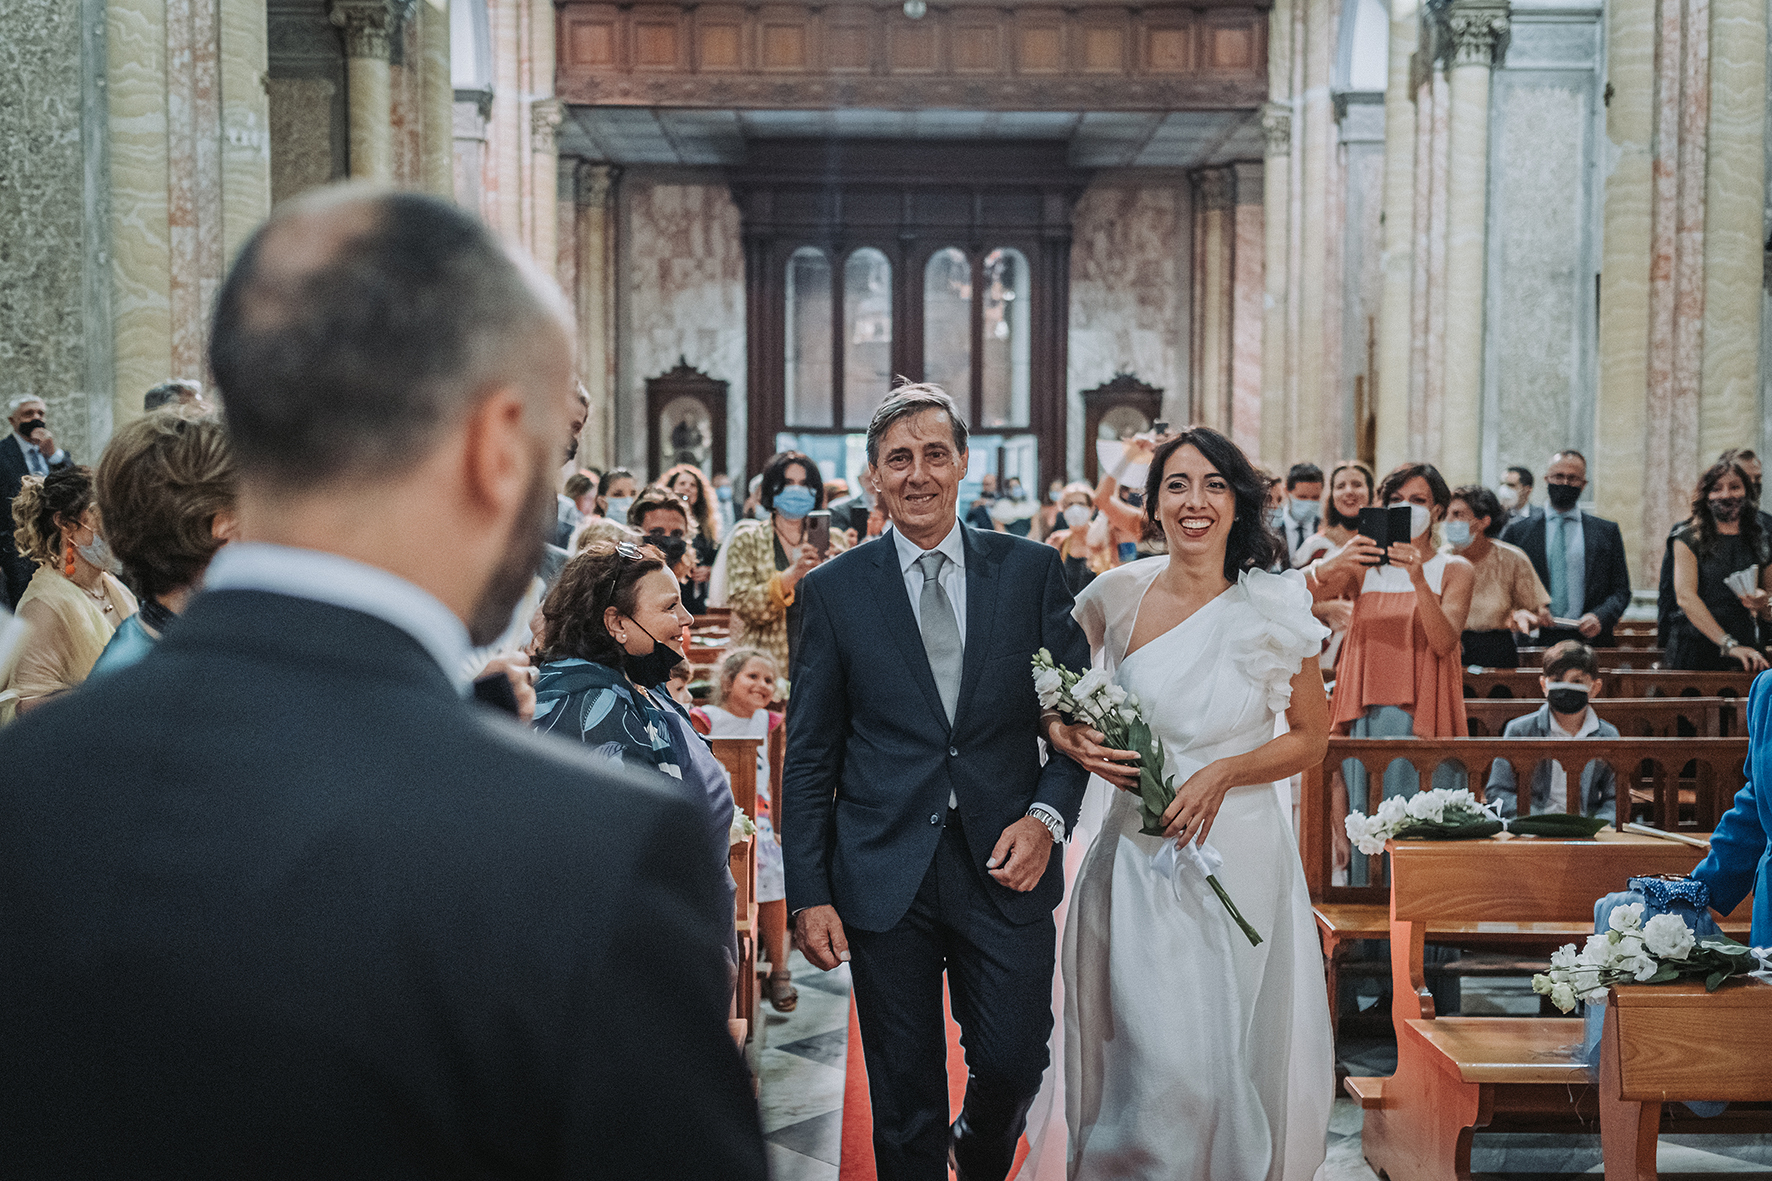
1247,317
1617,471
1276,121
1475,30
245,124
1315,435
1209,380
366,25
1397,263
544,165
437,100
596,282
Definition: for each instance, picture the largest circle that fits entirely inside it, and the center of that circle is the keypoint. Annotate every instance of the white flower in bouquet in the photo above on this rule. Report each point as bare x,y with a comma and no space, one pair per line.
1626,918
1049,687
1392,810
1564,957
1563,997
1426,805
1088,685
1668,937
1640,966
1368,833
743,827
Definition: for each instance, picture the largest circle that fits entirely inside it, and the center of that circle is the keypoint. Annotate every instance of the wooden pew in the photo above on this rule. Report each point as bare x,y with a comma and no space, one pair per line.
1635,717
1608,658
739,757
1670,1042
1458,1074
1660,682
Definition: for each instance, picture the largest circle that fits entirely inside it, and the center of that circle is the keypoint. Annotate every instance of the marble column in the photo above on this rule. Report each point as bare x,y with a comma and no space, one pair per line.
544,165
1397,261
1248,254
1315,435
1209,381
245,123
1617,470
437,100
595,207
1734,228
367,25
1276,121
141,146
1475,30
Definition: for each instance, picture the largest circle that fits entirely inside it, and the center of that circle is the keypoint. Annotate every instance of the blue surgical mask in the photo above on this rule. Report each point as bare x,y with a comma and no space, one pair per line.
1276,518
1077,515
724,492
1302,510
1457,533
795,501
618,508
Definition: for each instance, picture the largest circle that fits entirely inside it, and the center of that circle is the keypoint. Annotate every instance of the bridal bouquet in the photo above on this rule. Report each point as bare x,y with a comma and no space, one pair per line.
1453,815
1631,951
1094,699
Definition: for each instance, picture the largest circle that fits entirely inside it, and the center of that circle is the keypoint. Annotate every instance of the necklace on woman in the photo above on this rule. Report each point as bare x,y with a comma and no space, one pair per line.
99,597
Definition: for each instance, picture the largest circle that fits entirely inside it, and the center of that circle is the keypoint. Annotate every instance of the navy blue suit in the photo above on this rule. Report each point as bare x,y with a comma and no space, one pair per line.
1606,580
866,827
1739,860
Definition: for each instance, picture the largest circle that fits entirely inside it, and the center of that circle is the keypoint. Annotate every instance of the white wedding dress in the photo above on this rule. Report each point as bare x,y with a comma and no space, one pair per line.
1188,1054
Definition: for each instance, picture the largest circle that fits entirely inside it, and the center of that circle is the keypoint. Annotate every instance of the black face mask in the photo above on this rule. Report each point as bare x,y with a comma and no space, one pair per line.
673,548
1567,698
29,427
654,668
1727,509
1563,496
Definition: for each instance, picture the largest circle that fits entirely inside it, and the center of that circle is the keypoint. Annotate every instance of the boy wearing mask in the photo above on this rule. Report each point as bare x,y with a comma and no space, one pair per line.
1571,680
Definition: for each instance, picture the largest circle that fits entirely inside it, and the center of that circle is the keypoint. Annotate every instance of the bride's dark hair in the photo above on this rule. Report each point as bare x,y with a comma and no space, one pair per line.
1252,545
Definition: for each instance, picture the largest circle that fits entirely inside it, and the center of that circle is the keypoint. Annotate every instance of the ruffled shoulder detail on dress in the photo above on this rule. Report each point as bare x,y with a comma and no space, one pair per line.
1282,636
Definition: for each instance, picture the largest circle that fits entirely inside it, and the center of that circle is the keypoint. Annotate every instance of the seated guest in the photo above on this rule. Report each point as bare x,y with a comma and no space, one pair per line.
74,601
1718,628
166,496
1304,488
692,487
1570,682
1506,598
745,687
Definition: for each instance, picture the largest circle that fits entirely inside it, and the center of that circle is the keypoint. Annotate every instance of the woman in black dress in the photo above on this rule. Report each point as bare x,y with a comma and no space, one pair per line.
1716,628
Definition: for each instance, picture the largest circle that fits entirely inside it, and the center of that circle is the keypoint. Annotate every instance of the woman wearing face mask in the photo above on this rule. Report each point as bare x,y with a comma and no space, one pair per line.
1071,539
765,560
1506,596
613,626
74,601
1399,673
615,494
693,488
1717,628
1349,489
1050,518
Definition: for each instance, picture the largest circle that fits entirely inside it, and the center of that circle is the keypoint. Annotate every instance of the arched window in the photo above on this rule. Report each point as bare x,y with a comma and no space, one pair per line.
1006,347
947,323
808,377
867,334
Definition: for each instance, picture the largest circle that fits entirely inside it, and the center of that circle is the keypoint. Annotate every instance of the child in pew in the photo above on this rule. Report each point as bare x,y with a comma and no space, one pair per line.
1570,681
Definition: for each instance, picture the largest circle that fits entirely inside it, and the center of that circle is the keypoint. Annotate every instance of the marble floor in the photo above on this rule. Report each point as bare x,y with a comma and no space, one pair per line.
802,1099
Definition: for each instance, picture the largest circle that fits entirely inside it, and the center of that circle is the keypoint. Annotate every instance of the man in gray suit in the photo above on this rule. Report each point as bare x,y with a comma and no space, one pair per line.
1571,680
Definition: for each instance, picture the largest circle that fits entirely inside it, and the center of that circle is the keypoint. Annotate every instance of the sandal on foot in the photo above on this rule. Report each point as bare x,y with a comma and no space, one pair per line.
783,996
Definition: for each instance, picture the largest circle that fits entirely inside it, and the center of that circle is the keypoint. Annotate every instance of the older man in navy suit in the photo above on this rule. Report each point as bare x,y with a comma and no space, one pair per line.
1579,556
29,450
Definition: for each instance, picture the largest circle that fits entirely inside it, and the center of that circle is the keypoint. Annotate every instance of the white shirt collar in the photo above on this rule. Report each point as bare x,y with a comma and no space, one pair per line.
355,586
952,545
1589,723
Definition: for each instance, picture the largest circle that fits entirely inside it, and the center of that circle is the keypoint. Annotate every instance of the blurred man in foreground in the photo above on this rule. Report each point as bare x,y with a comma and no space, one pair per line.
279,901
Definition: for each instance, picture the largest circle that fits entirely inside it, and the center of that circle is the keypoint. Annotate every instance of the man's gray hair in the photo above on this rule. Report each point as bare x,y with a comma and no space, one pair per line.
168,392
13,404
911,399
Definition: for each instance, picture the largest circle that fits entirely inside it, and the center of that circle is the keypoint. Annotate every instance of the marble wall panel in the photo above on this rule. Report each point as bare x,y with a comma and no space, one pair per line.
245,122
681,294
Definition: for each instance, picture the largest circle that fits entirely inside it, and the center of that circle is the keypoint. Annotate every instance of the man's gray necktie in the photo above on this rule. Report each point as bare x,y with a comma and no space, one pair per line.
35,460
941,631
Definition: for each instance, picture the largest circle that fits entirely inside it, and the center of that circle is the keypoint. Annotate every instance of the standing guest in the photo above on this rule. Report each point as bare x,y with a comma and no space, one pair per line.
979,515
753,509
350,923
1506,597
1050,518
765,560
1717,628
723,501
1666,602
1014,512
577,493
1579,556
1515,496
1351,488
1071,539
180,391
692,486
166,495
1119,526
1399,674
665,524
29,450
1571,680
74,601
615,493
1304,491
744,687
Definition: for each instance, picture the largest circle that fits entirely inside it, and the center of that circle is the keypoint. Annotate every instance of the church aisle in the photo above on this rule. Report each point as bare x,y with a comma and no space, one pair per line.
802,1068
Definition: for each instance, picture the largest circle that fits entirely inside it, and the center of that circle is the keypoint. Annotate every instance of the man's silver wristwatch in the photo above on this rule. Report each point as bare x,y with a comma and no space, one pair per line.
1727,642
1053,822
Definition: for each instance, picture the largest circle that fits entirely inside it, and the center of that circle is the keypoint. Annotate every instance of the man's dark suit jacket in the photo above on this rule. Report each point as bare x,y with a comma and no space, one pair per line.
15,569
277,902
1607,586
871,756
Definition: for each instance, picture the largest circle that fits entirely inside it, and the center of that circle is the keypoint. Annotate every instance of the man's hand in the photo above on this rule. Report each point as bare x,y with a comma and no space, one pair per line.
818,933
44,441
1022,854
1083,747
516,667
1589,625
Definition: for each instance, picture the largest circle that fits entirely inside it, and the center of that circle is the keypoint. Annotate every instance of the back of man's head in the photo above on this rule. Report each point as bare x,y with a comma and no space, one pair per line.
357,325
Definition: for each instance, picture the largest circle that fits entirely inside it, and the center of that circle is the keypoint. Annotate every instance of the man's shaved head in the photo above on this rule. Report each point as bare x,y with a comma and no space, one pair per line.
357,324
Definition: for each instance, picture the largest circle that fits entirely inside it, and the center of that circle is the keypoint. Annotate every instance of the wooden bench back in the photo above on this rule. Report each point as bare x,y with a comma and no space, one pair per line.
739,757
1660,682
1608,658
1650,765
1635,717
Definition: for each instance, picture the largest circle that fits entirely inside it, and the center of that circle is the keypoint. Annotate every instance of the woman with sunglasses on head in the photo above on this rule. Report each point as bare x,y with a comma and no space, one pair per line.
692,487
613,626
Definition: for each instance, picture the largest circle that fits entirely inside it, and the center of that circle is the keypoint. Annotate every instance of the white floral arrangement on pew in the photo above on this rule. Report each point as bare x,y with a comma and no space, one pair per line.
743,828
1094,699
1632,951
1454,814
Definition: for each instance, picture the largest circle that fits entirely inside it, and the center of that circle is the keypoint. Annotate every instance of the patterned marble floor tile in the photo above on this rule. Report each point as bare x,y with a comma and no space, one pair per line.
796,1088
787,1165
820,1137
830,1048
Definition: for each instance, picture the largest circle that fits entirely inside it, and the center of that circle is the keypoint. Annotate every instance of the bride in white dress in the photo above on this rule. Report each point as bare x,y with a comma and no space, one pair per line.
1189,1054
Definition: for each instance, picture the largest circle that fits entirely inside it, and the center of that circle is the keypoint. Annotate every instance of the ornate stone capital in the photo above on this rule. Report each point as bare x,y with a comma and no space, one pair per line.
1475,32
366,24
1276,122
595,183
1217,188
545,114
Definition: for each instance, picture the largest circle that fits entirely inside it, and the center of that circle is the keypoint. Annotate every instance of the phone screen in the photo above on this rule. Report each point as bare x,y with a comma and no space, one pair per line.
1375,523
818,530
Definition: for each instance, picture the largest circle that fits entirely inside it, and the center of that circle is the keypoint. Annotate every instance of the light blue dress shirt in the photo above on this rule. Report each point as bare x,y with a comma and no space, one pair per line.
342,582
1575,549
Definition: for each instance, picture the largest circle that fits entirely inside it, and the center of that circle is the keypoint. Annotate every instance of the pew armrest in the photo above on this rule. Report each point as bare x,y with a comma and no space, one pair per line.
1367,1091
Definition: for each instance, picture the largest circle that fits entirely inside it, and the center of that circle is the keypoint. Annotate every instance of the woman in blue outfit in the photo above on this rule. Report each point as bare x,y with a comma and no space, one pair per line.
1738,861
606,651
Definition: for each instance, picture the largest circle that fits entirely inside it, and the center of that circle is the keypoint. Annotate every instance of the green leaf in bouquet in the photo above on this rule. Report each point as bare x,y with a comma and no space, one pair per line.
1716,978
1558,824
1467,831
1665,974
